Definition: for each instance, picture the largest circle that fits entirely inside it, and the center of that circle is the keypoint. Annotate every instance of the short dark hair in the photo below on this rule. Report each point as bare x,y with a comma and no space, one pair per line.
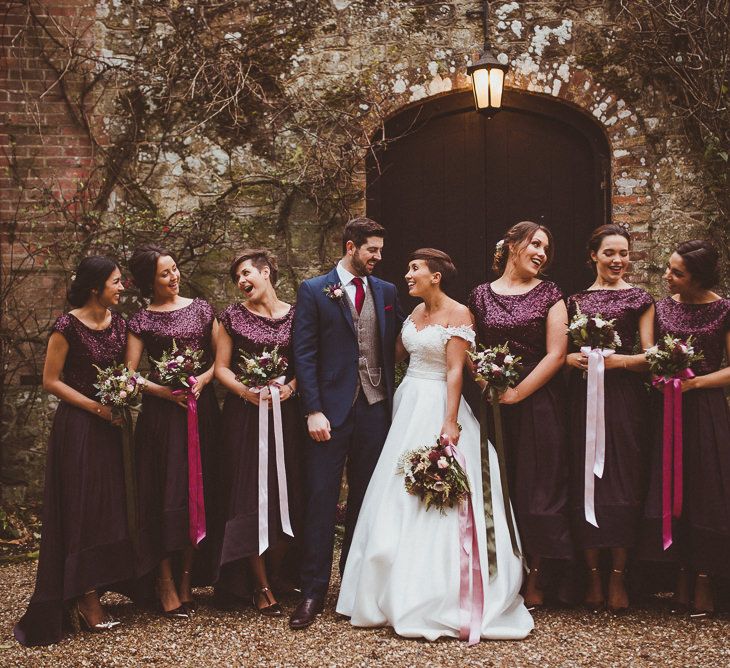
518,235
143,265
436,261
701,259
600,233
359,229
260,258
91,274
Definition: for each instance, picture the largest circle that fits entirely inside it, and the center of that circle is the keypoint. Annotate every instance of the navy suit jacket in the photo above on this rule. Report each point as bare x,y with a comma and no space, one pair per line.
326,353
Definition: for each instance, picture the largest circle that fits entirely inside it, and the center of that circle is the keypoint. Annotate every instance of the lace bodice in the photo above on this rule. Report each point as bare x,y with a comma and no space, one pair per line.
427,346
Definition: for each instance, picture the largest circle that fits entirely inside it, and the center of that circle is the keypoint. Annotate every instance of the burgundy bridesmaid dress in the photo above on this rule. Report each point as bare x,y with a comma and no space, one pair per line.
701,536
534,428
252,333
161,438
619,494
85,544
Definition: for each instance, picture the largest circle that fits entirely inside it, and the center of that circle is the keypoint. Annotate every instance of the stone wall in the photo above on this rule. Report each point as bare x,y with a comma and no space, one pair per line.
272,183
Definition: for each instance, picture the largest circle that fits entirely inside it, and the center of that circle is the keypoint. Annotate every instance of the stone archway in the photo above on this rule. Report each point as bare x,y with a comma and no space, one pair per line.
455,180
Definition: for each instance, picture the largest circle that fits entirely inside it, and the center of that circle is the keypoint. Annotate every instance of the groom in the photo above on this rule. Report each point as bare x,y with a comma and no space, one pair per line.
345,327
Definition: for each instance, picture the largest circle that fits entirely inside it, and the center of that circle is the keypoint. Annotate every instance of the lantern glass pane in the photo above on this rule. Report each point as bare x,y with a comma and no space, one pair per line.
496,84
480,81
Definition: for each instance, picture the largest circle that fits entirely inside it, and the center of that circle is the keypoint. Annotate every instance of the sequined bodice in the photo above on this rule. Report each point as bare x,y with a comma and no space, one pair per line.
253,333
708,324
427,347
190,326
625,306
89,347
519,320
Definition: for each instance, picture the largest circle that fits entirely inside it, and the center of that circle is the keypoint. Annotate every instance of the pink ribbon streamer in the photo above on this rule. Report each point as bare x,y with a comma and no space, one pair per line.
471,606
672,471
264,465
196,499
595,428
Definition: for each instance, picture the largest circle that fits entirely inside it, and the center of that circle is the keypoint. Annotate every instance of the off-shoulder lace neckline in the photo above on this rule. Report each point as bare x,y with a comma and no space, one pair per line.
437,324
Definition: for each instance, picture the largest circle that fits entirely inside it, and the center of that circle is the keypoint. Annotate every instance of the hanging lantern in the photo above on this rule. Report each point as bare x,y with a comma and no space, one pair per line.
487,74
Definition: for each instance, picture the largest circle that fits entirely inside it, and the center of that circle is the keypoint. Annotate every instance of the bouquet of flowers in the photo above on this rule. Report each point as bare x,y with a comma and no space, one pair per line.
118,386
497,367
175,367
258,370
433,474
671,355
121,388
593,331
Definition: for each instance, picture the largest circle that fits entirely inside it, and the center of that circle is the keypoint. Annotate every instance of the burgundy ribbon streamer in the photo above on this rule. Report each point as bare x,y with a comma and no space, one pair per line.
672,473
196,500
470,603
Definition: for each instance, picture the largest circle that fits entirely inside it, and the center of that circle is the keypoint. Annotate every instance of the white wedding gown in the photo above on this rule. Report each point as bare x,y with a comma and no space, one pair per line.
403,566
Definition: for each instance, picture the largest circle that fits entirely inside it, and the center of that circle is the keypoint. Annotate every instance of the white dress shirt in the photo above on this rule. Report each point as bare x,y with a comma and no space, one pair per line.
346,279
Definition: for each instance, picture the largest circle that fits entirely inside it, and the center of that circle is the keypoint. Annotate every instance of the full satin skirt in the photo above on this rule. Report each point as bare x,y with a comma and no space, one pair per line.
161,440
701,536
403,569
84,541
619,494
537,456
240,485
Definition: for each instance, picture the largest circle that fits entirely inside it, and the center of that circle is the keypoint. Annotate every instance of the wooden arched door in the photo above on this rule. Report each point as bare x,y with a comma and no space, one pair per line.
454,180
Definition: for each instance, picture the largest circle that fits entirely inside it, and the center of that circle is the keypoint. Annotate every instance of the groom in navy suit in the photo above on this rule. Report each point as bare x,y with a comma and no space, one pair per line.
345,328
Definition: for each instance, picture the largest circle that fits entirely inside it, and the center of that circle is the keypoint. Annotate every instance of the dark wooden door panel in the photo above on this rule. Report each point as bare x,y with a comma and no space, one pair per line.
456,181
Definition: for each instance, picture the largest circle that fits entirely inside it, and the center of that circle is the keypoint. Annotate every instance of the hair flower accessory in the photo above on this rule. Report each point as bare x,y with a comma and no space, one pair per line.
499,245
334,291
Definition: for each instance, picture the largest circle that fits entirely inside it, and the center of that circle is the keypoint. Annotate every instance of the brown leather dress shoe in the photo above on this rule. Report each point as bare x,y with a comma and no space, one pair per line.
305,613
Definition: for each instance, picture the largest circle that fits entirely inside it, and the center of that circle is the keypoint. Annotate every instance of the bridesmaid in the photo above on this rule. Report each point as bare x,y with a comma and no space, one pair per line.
260,323
162,429
530,314
619,494
85,545
701,537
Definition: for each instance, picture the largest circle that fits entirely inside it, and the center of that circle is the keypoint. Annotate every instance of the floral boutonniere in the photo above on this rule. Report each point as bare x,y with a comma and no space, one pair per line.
334,291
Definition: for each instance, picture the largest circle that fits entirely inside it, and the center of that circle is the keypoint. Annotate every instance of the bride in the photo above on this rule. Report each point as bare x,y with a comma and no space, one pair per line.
403,569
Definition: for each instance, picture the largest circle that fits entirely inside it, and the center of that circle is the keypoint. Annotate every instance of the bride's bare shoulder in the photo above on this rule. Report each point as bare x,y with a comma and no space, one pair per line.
459,315
417,312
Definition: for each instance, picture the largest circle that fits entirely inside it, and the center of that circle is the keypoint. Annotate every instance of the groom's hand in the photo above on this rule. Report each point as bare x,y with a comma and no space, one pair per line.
319,427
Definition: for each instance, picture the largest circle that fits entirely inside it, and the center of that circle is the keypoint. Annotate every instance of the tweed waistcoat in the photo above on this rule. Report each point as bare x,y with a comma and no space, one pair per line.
370,364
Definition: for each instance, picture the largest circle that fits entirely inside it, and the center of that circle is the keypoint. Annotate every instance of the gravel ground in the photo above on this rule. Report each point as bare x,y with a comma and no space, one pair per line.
646,637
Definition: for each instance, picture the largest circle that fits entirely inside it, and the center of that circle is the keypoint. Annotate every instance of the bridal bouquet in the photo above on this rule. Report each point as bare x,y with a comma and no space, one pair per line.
497,367
258,370
118,386
175,367
433,474
671,355
593,331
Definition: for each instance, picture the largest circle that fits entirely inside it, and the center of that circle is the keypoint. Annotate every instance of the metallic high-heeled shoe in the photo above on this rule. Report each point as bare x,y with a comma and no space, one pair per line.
79,622
181,612
271,610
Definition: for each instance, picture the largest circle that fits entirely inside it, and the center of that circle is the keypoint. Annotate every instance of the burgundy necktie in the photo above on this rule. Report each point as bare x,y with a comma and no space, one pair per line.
359,293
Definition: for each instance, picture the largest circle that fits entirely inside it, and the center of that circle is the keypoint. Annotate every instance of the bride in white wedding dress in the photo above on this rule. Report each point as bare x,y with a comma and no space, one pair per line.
403,569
